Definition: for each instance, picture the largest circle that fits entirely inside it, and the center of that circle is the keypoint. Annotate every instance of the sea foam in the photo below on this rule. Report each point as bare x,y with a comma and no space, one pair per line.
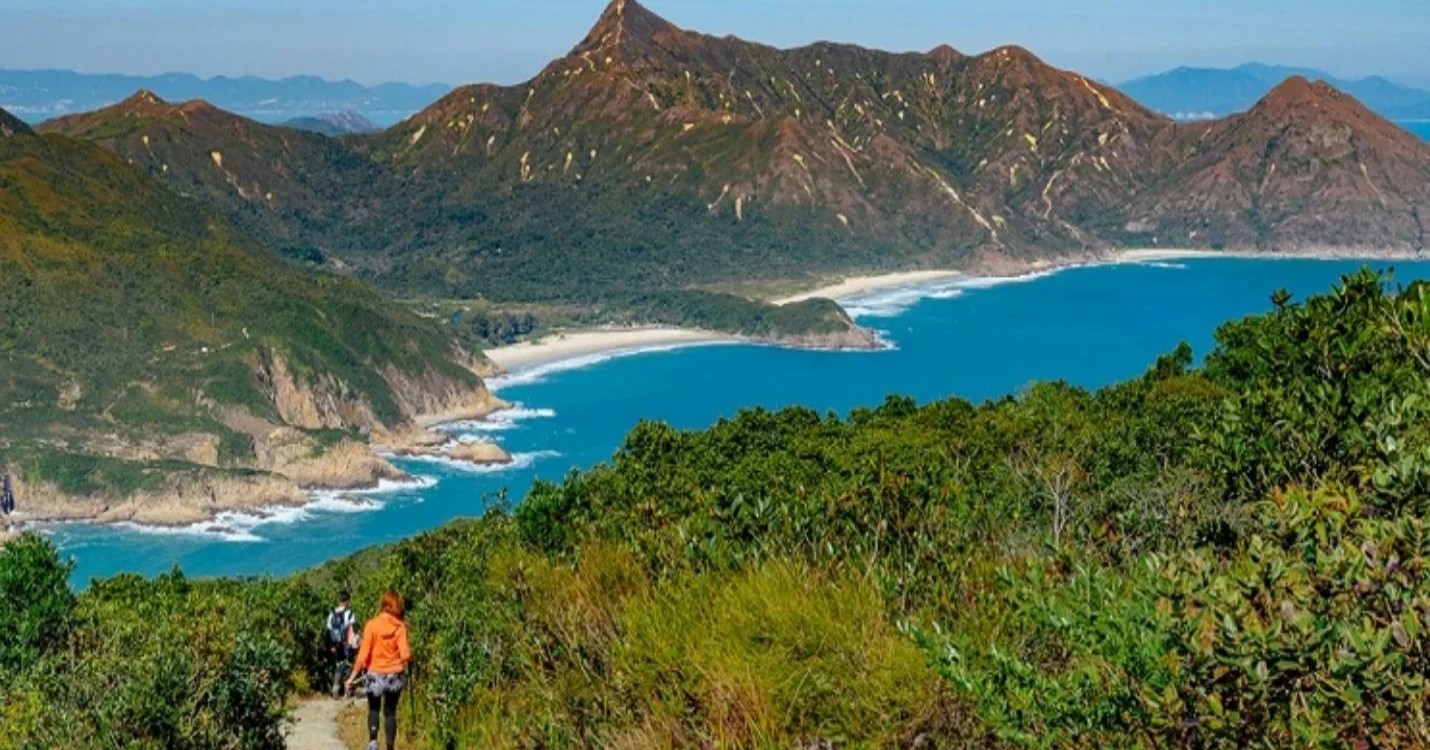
893,302
518,461
501,421
239,526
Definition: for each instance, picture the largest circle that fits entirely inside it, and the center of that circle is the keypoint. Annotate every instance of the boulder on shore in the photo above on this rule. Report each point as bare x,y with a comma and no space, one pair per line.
480,453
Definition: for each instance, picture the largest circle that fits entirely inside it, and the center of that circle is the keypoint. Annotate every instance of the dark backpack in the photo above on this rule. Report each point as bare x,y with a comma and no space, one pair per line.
338,622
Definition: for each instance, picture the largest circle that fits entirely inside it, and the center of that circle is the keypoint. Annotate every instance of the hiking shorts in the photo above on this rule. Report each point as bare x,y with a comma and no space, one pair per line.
379,685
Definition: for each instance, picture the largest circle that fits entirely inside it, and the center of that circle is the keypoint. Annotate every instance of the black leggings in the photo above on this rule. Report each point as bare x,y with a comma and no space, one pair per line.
388,704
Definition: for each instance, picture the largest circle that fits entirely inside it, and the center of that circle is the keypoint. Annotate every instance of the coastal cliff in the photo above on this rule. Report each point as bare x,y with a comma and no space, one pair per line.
175,499
219,379
293,450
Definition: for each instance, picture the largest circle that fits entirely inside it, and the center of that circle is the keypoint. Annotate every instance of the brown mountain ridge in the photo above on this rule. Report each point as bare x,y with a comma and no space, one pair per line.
651,157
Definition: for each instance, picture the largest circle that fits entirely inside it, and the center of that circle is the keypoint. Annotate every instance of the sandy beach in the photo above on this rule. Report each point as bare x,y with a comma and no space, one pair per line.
576,344
583,343
857,285
1138,256
564,346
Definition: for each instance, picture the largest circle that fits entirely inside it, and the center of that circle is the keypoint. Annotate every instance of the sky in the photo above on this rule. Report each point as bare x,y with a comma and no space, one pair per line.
508,41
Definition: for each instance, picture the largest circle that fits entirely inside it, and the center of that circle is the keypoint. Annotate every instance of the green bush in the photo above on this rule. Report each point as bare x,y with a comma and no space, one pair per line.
1311,633
35,602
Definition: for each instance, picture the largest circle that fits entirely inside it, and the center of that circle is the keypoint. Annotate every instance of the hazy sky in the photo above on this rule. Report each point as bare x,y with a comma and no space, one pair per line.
423,41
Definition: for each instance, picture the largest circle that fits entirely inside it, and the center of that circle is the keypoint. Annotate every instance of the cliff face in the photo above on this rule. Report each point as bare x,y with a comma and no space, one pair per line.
432,397
322,402
182,499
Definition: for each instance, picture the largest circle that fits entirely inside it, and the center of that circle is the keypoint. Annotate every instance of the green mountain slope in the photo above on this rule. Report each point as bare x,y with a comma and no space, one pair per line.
136,327
321,202
295,190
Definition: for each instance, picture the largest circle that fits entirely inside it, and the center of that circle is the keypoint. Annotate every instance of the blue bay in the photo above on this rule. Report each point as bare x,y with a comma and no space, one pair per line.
1089,326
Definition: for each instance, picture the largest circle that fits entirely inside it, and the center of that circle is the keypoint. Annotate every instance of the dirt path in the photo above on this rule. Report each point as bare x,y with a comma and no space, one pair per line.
315,725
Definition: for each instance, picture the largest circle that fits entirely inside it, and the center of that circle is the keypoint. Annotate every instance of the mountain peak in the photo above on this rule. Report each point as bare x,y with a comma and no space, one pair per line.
11,125
196,106
945,53
1015,52
143,99
625,22
1295,88
1299,92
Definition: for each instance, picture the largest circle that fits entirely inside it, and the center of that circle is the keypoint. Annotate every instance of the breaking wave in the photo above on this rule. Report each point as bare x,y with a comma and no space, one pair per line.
498,422
518,461
239,526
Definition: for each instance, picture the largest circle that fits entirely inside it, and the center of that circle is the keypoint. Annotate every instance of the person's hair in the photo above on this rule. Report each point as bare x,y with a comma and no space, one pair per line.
344,597
392,603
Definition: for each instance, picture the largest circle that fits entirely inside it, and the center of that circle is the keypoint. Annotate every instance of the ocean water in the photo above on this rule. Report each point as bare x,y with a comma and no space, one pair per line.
977,340
1418,127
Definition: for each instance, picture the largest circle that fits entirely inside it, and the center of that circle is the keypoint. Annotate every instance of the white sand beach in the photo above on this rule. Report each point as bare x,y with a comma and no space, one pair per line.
575,344
570,345
579,344
1140,256
857,285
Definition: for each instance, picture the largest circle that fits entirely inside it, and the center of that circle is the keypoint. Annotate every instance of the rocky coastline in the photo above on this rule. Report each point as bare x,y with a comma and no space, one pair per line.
288,462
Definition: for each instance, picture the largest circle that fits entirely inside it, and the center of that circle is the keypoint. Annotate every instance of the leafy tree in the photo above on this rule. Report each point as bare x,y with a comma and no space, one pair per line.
35,601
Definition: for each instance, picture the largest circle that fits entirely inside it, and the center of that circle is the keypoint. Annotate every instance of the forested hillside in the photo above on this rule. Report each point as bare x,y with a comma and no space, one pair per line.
1232,555
143,339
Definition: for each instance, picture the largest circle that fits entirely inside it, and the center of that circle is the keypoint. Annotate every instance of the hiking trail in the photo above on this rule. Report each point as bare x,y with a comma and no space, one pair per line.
315,725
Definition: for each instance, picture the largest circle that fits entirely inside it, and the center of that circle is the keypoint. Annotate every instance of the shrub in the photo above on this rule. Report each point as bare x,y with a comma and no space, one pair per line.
35,602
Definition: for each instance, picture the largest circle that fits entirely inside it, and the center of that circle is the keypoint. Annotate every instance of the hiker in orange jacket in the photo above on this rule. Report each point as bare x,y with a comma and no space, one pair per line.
384,655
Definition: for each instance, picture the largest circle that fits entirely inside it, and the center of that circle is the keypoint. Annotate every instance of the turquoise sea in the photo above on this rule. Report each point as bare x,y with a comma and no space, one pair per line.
976,340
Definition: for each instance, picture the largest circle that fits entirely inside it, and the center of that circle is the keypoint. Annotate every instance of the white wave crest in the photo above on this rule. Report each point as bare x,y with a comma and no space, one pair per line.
892,303
500,421
518,461
239,526
1162,264
988,282
208,530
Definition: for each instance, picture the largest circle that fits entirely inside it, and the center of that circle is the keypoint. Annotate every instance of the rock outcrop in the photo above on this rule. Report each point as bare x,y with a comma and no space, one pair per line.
174,500
480,453
432,398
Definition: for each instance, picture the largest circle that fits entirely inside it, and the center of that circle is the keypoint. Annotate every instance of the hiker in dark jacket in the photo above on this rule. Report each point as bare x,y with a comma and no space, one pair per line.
342,639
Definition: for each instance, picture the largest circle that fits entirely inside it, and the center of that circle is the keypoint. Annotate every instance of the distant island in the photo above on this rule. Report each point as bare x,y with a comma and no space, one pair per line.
334,124
1205,93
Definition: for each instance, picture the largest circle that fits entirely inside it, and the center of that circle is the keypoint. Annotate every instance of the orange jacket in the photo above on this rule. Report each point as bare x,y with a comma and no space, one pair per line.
384,645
